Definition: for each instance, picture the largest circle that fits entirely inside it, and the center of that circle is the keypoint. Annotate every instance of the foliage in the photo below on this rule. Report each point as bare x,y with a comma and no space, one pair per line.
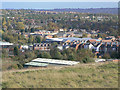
84,35
31,39
4,21
55,53
16,51
44,55
23,18
13,37
83,55
115,55
38,39
52,26
4,53
20,26
106,56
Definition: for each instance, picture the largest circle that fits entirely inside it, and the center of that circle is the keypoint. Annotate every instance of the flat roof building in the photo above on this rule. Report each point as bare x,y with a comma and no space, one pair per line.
36,64
55,61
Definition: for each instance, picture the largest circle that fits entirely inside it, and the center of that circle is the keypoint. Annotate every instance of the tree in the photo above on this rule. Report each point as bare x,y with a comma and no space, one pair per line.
44,55
106,56
4,21
54,36
54,44
55,54
20,26
84,35
16,51
85,55
26,30
19,66
32,30
114,54
38,39
87,59
52,26
71,57
9,25
31,39
65,56
4,53
29,55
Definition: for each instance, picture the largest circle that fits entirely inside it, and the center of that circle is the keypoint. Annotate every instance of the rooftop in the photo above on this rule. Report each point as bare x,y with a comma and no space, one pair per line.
69,38
54,61
5,43
36,64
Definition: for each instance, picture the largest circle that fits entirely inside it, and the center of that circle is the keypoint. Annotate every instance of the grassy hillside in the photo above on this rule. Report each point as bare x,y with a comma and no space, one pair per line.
80,76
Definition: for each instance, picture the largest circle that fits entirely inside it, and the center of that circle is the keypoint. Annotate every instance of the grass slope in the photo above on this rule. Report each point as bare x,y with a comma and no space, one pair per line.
80,76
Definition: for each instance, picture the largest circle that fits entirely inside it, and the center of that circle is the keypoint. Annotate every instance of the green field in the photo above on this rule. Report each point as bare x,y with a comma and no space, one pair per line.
95,75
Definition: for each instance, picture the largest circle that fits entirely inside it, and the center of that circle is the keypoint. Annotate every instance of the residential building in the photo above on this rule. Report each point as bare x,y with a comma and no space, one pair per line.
41,46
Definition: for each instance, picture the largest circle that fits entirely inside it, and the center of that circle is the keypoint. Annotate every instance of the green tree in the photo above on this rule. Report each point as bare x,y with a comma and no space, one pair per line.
32,30
85,55
16,51
44,55
87,59
56,54
38,39
4,53
31,39
106,56
72,57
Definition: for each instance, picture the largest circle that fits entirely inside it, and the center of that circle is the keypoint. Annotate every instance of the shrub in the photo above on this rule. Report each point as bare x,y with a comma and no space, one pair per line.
44,55
56,54
87,59
71,57
106,56
14,66
20,66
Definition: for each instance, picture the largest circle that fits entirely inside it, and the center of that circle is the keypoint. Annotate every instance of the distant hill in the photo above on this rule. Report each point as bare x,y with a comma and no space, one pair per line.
93,10
89,10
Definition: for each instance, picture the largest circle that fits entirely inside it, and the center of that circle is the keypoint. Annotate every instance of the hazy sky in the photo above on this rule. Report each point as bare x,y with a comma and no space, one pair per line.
59,0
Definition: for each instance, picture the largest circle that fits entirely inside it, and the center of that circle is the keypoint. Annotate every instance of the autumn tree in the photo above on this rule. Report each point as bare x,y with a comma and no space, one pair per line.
52,26
3,21
20,26
4,24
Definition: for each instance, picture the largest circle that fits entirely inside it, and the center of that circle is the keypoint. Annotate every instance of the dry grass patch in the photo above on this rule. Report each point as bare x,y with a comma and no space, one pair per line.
80,76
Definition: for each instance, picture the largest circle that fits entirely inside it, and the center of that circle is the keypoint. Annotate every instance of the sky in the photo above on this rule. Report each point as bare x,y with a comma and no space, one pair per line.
60,0
57,4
